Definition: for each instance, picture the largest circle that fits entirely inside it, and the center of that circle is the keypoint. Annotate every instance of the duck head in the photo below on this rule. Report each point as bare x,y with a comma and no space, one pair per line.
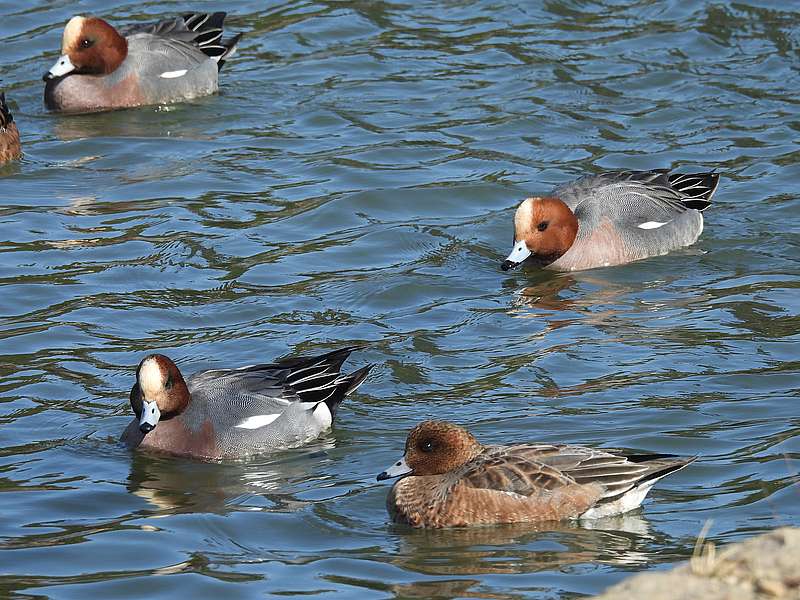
159,393
90,46
433,448
543,227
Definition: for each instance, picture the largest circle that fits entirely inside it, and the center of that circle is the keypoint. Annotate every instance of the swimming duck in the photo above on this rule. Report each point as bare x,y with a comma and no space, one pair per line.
233,413
449,479
102,68
610,219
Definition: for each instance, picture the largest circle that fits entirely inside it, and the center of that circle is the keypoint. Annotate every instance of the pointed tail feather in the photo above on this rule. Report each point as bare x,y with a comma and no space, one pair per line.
660,465
356,378
210,27
319,378
696,187
344,386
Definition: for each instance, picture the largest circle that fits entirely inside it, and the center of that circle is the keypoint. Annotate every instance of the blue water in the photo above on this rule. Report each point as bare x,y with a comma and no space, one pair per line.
355,182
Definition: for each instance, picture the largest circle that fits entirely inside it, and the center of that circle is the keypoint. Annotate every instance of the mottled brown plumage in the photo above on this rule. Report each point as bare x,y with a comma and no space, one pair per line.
449,479
10,148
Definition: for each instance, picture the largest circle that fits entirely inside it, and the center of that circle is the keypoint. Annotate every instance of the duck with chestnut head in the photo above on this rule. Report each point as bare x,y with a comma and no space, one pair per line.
611,219
234,413
449,479
102,68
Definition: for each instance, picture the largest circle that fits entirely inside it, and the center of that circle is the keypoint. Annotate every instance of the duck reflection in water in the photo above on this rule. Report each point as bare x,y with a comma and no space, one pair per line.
176,485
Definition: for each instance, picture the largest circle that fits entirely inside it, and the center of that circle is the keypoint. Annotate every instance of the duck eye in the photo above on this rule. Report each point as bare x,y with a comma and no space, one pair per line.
542,226
168,382
86,43
426,446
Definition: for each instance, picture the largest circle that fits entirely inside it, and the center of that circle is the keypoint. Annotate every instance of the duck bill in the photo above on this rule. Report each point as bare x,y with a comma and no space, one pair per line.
62,67
518,254
396,470
150,417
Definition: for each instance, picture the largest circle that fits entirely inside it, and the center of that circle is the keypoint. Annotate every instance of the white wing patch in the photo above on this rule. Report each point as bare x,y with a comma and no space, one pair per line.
173,74
650,225
257,421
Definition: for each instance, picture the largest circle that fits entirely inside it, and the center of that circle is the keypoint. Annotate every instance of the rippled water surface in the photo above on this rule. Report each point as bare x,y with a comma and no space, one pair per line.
354,183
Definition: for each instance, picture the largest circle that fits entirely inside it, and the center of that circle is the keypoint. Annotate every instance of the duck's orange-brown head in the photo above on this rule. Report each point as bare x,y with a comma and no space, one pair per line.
90,46
434,448
543,227
159,393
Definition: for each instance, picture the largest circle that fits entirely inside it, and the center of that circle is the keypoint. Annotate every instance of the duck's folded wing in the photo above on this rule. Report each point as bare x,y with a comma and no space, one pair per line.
163,56
200,31
200,28
635,204
529,469
305,379
512,486
258,389
515,470
617,471
644,199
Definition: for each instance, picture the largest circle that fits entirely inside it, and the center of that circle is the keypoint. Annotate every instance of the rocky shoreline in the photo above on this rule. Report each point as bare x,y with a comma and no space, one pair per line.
764,567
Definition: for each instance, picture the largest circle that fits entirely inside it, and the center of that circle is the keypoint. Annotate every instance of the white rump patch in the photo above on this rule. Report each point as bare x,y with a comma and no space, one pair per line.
257,421
322,415
650,225
629,500
173,74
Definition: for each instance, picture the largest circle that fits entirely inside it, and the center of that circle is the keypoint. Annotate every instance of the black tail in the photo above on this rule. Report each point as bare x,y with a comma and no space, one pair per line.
319,378
659,465
209,26
697,188
6,118
356,378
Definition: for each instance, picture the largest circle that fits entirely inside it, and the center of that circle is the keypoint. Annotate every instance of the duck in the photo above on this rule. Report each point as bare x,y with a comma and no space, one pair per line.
611,218
10,148
449,479
234,413
102,68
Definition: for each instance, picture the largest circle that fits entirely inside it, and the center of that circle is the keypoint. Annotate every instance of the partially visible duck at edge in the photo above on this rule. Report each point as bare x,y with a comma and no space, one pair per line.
611,219
449,479
102,68
10,148
234,413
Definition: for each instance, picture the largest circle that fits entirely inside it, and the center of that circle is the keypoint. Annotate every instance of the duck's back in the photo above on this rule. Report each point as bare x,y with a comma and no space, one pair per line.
169,69
530,483
252,411
629,215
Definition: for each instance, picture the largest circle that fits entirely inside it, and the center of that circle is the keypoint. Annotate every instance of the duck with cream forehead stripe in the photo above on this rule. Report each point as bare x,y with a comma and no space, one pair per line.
611,219
233,413
101,68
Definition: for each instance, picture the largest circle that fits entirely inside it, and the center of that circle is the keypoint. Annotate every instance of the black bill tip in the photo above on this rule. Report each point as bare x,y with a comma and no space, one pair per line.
508,265
382,476
146,427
